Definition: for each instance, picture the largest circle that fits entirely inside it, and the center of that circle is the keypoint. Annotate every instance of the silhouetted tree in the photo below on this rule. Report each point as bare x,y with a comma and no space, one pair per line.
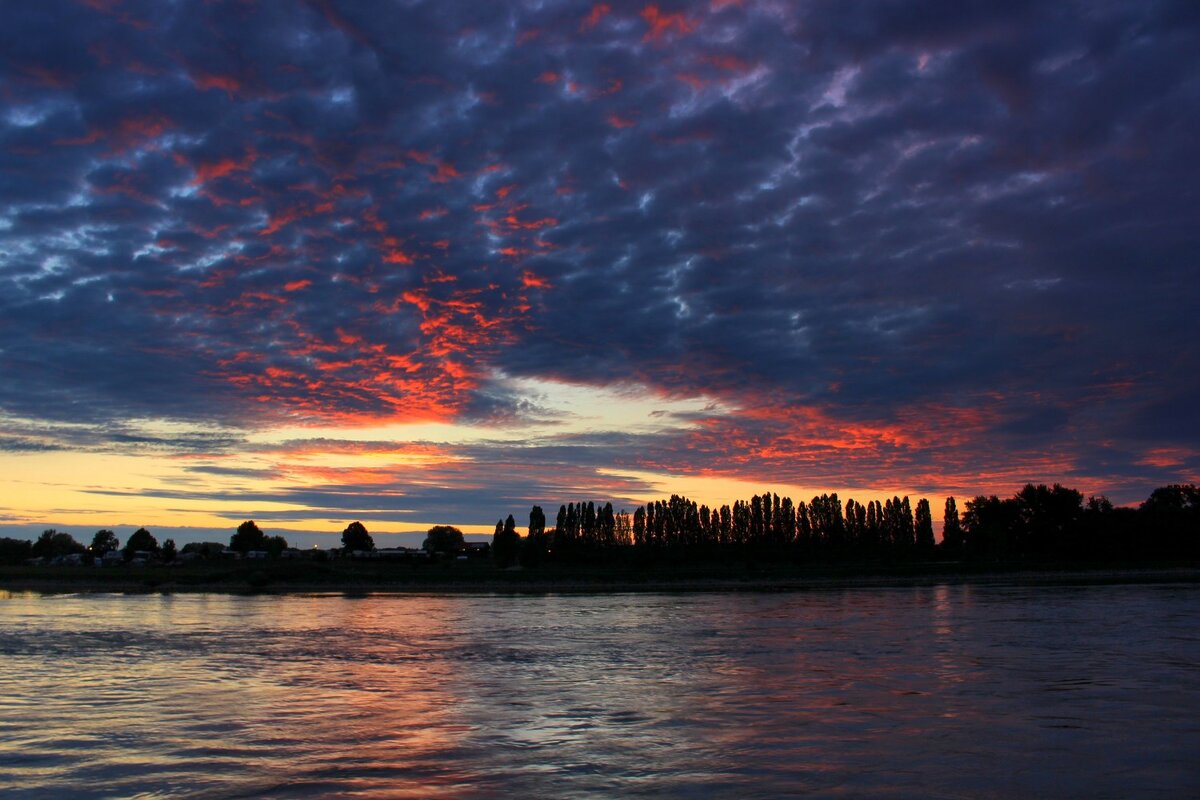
247,537
443,539
787,524
623,529
104,541
828,525
1110,533
53,543
506,542
1047,521
907,526
140,540
1037,522
639,527
168,550
355,537
988,527
15,551
606,527
561,542
924,528
537,521
204,550
952,533
275,545
1172,517
533,548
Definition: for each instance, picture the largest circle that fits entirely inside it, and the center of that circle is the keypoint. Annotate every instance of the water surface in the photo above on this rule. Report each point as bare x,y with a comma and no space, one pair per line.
991,692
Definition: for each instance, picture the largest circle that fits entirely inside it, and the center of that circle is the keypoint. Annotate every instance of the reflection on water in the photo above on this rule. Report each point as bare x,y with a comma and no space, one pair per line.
926,692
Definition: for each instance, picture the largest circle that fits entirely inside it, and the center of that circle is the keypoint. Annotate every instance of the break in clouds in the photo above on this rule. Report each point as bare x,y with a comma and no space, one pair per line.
931,244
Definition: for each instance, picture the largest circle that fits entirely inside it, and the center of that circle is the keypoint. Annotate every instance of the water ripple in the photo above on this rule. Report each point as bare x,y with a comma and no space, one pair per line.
930,692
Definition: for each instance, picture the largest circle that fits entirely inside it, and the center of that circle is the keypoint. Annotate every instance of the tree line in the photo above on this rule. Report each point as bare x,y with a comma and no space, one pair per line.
1038,522
55,545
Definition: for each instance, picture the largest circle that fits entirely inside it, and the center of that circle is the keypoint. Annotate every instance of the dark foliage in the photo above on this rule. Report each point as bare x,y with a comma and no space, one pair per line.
535,544
15,551
952,533
140,540
248,537
104,541
506,543
205,550
1038,523
1172,517
52,544
355,537
443,539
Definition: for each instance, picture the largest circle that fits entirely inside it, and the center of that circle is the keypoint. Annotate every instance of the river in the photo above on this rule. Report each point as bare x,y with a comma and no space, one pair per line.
946,692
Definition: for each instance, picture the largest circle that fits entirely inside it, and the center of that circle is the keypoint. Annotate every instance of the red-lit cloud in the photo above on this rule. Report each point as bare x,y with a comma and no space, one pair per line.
598,12
661,23
948,252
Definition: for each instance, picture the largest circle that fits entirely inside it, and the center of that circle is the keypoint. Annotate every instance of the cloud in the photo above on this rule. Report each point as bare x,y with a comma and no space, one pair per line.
949,234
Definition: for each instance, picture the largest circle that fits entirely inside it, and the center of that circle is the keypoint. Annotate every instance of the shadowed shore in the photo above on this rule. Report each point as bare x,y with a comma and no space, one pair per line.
358,578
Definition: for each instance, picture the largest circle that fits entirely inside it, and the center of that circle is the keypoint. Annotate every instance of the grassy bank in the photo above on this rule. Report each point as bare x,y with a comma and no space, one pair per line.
362,577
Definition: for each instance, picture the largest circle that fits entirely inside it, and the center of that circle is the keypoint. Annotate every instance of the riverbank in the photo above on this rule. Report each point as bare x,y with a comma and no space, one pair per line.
370,578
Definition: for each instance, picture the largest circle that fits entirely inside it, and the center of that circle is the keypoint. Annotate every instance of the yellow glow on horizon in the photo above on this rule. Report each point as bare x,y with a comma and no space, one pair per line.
145,485
567,408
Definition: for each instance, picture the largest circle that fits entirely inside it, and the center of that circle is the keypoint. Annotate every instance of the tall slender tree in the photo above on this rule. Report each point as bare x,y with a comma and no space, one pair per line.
924,527
506,543
952,533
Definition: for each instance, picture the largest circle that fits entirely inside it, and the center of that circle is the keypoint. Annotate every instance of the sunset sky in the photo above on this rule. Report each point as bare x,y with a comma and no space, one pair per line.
433,262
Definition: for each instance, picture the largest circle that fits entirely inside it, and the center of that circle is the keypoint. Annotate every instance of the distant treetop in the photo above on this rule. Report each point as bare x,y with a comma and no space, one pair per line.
142,540
248,537
443,539
355,537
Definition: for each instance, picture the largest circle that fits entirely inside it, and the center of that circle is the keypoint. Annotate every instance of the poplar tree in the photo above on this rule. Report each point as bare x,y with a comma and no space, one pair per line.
924,527
952,533
506,542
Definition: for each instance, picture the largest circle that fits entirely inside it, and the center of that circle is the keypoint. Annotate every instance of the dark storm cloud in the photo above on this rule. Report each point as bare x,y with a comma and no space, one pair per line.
947,233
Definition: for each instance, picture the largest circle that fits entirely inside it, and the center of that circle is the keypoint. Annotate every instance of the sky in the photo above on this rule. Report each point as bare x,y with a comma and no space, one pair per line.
415,262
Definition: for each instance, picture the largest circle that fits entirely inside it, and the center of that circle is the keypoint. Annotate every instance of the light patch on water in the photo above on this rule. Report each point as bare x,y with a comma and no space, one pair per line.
944,691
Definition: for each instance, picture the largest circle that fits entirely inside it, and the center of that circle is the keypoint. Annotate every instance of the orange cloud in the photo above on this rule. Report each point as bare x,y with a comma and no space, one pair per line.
661,24
533,281
209,171
594,16
1166,457
445,173
397,257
